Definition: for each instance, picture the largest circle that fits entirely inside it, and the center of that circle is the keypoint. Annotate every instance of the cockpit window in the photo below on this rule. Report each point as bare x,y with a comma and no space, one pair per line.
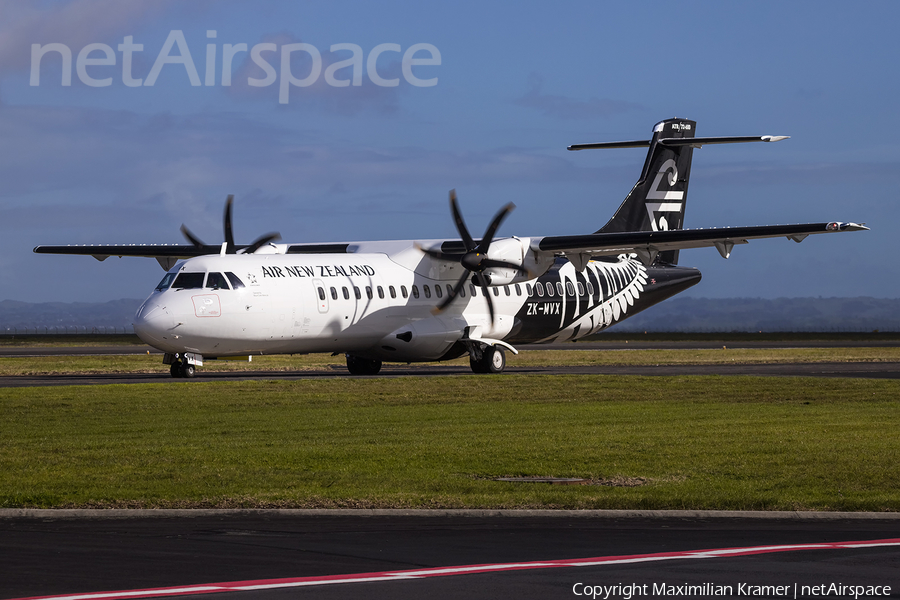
166,282
216,281
189,281
236,283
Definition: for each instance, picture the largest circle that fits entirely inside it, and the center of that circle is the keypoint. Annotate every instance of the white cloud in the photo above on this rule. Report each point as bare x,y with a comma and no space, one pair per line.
75,24
563,107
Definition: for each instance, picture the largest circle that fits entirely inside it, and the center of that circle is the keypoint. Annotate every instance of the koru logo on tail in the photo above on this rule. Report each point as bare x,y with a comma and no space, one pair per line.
670,170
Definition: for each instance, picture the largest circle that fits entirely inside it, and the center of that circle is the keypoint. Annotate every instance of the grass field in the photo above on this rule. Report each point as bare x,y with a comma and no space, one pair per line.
648,443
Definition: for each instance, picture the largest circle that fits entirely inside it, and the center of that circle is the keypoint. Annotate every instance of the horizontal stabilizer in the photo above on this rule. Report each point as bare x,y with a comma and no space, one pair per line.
693,142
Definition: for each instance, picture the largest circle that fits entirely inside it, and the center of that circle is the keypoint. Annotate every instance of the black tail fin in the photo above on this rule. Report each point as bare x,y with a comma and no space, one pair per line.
656,202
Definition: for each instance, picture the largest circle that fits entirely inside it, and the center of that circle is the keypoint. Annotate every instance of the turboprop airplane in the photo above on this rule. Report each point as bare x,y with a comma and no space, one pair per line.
433,300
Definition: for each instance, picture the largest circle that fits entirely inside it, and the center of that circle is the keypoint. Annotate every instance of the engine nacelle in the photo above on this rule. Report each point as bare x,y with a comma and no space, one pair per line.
511,250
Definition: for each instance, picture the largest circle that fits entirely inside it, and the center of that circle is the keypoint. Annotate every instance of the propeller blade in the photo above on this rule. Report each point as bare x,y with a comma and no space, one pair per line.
262,241
460,224
451,296
487,295
229,235
191,237
492,228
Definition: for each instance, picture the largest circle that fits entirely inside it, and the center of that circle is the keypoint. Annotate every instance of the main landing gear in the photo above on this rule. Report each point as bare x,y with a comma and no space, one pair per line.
487,359
362,366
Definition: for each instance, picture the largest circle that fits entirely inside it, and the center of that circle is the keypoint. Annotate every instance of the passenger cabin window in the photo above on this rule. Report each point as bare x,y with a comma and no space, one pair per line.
506,289
496,291
539,288
166,282
549,289
346,292
403,291
380,292
559,288
438,291
333,294
321,293
427,291
236,283
369,292
216,281
518,290
570,289
415,291
580,289
529,289
357,293
472,290
188,281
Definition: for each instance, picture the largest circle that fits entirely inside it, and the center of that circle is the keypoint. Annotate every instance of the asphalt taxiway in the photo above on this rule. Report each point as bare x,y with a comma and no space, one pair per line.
418,554
637,344
876,370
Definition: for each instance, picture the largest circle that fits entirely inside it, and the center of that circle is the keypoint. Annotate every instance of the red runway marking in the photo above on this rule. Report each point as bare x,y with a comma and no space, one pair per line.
271,584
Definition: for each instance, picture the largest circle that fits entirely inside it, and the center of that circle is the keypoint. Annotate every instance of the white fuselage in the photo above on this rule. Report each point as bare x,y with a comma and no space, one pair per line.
381,306
313,303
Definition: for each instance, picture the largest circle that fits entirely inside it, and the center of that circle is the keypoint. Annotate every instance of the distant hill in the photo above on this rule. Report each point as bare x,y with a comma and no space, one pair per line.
756,314
677,314
52,316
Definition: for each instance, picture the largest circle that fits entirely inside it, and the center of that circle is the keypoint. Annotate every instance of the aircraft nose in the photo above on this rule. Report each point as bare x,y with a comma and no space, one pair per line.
152,323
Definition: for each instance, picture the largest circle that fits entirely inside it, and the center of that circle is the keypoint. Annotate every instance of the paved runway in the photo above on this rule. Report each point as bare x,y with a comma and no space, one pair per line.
612,345
44,555
877,370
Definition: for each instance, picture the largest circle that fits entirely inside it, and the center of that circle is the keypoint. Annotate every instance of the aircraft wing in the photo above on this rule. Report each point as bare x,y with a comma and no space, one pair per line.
578,248
101,252
647,244
166,254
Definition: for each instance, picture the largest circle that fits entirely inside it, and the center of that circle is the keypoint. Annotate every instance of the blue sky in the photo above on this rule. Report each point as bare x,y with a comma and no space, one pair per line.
516,83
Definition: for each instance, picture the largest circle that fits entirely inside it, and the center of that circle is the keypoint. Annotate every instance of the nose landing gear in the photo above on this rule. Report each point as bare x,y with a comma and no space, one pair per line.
182,369
182,365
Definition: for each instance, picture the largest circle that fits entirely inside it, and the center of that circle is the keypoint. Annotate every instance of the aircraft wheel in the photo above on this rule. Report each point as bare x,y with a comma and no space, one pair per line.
175,369
362,366
187,370
493,360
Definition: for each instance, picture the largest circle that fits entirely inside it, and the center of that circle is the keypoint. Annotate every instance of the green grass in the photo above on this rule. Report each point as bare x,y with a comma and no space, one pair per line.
695,442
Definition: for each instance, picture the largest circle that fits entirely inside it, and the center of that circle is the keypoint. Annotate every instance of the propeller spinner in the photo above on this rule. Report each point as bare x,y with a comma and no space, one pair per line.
475,259
229,235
